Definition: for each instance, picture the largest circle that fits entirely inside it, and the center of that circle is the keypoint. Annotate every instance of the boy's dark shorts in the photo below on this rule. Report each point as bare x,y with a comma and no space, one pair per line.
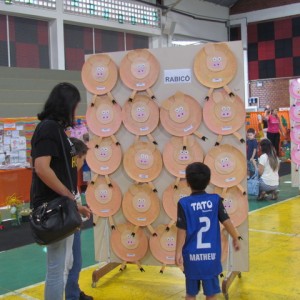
210,286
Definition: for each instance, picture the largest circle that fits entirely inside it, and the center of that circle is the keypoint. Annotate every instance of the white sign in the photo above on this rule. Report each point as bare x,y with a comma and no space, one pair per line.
177,76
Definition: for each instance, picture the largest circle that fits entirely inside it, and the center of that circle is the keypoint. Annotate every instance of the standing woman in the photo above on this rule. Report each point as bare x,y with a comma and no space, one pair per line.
274,129
50,177
268,167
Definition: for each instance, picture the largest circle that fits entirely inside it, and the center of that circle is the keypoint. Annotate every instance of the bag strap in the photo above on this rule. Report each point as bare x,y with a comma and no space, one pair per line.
255,175
66,161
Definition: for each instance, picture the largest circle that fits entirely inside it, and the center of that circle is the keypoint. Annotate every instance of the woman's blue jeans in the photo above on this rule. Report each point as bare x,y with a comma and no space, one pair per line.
58,254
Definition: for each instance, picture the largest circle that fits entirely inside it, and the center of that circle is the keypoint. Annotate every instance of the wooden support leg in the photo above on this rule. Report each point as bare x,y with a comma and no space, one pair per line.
227,282
97,274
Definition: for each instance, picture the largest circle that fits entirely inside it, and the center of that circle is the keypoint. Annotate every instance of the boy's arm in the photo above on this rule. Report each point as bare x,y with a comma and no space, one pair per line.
233,233
181,234
253,154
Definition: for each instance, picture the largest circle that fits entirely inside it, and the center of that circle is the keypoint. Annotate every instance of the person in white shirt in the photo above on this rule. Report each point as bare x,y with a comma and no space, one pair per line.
268,166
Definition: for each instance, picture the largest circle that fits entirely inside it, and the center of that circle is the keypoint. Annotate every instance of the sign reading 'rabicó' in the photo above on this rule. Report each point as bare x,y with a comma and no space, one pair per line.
177,76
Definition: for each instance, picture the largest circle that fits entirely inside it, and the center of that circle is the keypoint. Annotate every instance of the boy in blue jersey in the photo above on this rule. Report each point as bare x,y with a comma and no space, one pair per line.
198,247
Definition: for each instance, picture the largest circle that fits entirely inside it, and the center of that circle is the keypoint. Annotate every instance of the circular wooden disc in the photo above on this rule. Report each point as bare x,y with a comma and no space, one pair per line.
104,201
223,114
215,65
104,118
227,165
294,88
103,156
163,245
236,204
141,116
176,159
140,205
127,247
139,69
181,114
142,162
171,197
99,74
295,134
295,112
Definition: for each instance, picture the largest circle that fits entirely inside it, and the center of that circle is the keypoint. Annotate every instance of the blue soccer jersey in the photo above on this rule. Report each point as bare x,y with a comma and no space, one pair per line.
202,249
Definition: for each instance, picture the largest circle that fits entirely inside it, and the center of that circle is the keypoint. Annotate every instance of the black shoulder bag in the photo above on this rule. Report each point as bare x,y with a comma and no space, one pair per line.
55,220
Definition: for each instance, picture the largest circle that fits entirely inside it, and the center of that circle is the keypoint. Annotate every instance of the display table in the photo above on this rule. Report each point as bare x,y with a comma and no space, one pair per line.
15,181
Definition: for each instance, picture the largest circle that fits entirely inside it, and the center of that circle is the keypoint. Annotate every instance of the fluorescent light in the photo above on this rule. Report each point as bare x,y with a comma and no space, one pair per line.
137,14
186,43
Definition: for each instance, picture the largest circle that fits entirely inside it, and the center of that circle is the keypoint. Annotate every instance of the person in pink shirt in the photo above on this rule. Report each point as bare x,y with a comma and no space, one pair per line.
274,129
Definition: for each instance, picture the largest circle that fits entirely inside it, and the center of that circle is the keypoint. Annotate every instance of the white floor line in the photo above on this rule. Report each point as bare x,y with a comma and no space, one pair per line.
17,293
271,205
275,232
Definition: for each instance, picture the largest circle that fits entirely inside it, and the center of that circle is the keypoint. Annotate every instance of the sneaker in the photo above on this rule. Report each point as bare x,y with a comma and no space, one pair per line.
83,296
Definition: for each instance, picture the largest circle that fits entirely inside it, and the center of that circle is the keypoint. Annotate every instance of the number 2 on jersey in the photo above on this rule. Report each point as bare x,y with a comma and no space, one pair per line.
205,228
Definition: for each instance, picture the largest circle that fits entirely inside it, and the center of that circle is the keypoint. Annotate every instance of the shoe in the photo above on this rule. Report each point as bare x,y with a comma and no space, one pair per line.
262,196
274,195
83,296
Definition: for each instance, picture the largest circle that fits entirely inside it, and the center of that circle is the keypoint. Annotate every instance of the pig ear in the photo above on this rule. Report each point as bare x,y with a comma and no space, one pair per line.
146,187
132,55
177,142
134,189
145,100
179,97
167,104
209,48
106,60
110,141
138,146
145,53
217,97
225,49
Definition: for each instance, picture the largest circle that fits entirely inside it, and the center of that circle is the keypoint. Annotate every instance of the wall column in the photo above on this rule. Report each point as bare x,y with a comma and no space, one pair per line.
57,52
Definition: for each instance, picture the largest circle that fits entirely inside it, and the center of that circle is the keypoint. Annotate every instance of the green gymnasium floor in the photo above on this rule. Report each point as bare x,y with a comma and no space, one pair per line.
25,266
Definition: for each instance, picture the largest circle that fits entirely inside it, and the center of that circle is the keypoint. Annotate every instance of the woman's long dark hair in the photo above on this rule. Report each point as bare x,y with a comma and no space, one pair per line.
61,104
267,147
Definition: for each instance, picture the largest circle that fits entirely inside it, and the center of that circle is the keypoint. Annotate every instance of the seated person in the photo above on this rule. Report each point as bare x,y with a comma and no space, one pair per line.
268,166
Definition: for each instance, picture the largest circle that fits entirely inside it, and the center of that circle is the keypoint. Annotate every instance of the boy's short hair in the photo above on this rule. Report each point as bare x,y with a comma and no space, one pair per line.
80,147
197,176
251,130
